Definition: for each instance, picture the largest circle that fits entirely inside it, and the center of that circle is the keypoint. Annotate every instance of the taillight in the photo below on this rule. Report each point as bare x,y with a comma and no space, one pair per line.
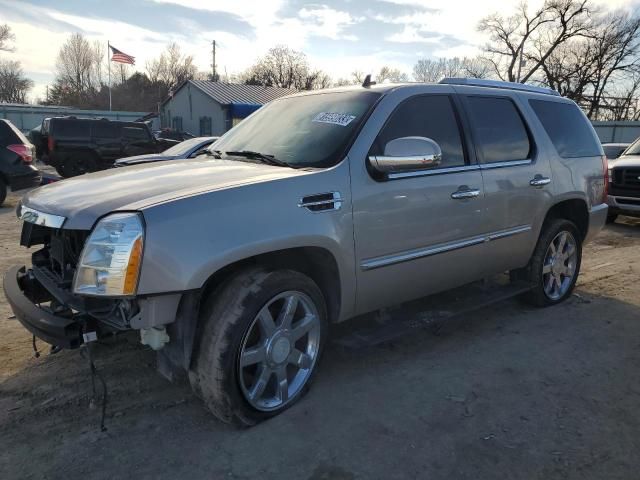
24,151
51,143
605,173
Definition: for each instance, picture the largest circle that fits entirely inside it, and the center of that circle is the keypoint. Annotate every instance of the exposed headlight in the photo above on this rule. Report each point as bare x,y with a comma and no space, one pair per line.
111,258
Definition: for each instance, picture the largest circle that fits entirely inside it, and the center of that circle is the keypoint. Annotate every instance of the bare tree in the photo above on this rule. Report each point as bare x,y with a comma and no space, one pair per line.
286,68
391,74
527,39
172,67
14,86
428,70
79,72
6,36
599,71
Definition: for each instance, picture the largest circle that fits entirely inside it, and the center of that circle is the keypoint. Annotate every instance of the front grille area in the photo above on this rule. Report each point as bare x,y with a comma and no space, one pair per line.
625,182
60,253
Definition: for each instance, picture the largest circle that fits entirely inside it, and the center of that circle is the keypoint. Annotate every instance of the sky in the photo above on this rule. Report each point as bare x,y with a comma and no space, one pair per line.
338,36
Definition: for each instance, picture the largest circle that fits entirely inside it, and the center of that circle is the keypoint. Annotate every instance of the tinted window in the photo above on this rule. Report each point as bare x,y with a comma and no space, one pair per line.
568,128
309,130
70,128
430,116
499,132
135,133
613,151
104,129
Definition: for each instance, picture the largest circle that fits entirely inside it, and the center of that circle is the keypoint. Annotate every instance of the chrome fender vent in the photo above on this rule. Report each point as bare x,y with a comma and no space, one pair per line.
321,202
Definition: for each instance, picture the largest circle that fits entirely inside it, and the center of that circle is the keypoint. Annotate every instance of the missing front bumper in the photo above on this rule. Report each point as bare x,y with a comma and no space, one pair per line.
20,288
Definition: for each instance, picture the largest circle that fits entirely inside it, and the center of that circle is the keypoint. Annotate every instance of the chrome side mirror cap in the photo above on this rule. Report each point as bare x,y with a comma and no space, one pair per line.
407,154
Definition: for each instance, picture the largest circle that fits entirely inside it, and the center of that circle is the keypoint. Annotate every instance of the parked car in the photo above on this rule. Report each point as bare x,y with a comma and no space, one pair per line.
614,150
17,171
321,206
80,145
171,134
624,184
187,149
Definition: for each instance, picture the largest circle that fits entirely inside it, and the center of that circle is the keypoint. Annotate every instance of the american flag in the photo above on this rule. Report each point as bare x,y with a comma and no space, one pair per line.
121,57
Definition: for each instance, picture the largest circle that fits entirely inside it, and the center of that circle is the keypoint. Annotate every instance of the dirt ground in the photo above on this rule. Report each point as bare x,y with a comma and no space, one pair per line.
509,392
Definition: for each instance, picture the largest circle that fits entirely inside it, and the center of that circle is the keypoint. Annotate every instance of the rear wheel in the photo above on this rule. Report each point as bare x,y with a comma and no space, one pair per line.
555,264
260,345
78,165
3,191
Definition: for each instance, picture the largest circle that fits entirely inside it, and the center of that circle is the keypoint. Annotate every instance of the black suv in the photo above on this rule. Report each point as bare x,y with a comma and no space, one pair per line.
16,157
80,145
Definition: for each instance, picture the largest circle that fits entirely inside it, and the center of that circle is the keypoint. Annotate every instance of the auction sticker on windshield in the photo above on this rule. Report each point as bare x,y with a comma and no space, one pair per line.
342,119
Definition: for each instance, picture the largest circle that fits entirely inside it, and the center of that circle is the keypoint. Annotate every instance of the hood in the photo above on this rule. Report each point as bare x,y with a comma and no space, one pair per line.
625,161
149,157
85,198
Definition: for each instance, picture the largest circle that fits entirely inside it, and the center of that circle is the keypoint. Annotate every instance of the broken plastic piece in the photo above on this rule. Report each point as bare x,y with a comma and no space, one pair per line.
154,337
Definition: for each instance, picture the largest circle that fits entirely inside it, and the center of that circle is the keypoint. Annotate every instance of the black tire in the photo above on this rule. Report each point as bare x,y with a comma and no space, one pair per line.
612,217
225,320
78,165
533,274
3,192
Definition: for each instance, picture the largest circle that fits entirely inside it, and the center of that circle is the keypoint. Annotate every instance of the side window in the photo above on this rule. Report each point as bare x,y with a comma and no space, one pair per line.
568,129
431,116
135,133
102,129
499,132
72,128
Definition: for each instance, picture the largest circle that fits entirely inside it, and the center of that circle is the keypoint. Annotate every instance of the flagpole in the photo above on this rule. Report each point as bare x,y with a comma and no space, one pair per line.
109,63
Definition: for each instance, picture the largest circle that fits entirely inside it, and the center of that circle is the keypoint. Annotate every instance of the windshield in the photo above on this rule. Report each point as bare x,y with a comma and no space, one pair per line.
183,148
303,131
634,149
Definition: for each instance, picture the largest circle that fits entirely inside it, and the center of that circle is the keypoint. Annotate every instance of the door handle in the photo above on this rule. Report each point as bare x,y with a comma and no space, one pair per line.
468,193
540,181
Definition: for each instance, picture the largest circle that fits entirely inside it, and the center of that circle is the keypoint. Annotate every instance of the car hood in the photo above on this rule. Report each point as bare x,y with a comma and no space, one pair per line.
82,200
625,161
149,157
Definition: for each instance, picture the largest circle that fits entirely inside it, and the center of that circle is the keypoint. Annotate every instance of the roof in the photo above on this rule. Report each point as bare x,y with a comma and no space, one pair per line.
228,93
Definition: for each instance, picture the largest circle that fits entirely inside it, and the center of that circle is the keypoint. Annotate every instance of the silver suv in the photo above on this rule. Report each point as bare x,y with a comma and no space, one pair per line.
319,207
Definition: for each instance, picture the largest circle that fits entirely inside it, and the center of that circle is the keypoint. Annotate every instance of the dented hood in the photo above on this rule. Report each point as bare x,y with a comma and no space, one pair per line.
84,199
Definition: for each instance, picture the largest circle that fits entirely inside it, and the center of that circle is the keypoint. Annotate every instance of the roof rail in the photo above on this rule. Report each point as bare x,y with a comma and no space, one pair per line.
480,82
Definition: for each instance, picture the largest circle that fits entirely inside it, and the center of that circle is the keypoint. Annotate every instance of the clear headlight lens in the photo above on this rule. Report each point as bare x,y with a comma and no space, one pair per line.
111,258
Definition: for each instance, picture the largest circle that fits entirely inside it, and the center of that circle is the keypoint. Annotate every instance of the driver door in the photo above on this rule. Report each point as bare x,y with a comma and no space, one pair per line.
419,232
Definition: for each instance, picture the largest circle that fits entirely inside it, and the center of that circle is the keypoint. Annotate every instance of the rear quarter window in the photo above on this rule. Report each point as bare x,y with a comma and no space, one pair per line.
568,128
9,134
70,128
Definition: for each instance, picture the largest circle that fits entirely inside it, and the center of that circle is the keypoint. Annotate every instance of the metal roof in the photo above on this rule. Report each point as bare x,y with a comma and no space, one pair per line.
227,93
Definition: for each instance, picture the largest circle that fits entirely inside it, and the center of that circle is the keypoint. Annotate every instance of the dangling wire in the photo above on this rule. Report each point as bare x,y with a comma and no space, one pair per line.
36,353
94,374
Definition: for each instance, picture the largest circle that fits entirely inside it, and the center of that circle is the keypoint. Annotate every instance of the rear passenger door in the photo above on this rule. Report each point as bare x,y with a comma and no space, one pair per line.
106,139
516,176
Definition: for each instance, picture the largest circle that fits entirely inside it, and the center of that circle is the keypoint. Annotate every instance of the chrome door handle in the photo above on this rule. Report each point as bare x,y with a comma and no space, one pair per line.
462,194
540,181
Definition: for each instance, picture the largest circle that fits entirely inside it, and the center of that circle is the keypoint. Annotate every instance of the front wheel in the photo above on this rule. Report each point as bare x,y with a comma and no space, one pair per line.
260,344
555,264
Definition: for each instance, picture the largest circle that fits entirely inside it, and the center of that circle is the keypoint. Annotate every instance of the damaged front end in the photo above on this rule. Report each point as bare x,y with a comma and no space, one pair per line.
42,297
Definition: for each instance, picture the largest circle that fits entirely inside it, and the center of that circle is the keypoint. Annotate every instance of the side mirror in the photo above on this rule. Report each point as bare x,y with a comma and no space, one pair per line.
407,154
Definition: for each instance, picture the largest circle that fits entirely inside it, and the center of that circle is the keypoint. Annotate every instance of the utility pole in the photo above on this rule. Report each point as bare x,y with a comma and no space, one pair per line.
213,64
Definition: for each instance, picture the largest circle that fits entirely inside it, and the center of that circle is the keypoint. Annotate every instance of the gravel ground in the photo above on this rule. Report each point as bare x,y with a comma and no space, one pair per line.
509,392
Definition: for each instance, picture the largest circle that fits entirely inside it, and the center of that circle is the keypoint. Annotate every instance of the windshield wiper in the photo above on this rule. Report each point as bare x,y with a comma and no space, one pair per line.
264,158
211,153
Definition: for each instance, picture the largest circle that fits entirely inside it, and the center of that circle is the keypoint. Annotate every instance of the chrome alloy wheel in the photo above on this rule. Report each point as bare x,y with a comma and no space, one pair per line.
559,265
279,351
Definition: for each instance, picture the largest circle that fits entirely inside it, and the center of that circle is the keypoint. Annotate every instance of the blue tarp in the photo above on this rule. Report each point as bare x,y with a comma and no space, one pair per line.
242,110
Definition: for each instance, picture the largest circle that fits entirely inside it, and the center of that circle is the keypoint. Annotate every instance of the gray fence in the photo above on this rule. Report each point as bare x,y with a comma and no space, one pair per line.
26,117
617,132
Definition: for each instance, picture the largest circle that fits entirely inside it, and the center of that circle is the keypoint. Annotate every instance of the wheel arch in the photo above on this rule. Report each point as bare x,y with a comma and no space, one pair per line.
573,209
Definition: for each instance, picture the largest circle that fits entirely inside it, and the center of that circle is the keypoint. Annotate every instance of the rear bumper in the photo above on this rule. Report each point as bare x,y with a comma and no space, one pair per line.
57,330
624,205
597,220
30,179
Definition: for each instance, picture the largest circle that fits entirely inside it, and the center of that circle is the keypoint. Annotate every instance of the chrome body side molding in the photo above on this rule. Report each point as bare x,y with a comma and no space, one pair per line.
387,260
